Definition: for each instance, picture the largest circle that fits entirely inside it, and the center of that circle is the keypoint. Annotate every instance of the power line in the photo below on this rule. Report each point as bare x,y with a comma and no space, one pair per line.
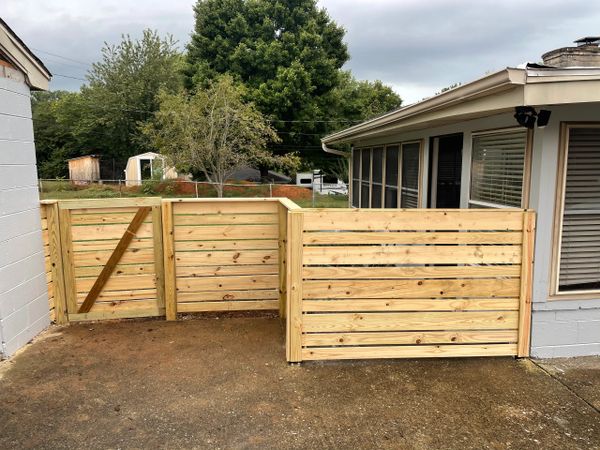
62,57
68,76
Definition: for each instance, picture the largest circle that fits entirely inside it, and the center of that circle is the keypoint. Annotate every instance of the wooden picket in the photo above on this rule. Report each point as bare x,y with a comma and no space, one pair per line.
408,283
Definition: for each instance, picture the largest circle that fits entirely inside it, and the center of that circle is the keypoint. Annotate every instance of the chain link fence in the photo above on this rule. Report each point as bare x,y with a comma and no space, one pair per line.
325,196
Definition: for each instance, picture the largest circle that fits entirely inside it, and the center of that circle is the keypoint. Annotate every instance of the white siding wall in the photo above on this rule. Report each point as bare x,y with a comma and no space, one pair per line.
559,328
23,294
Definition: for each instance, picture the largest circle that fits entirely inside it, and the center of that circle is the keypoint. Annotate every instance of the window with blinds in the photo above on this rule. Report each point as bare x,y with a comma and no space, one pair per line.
497,169
579,268
376,176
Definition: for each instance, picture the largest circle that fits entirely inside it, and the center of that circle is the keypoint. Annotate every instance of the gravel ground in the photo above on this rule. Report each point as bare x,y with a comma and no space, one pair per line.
222,382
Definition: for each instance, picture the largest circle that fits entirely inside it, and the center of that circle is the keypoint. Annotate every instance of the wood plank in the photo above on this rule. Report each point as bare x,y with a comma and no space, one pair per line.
412,237
100,232
186,233
100,258
169,261
227,283
228,306
58,291
113,260
256,244
483,304
129,282
109,218
409,351
124,295
223,206
215,271
410,321
159,263
116,314
96,203
262,294
288,204
294,286
412,219
282,220
431,254
105,211
124,305
225,219
508,287
110,244
68,258
120,270
526,284
467,271
235,257
408,337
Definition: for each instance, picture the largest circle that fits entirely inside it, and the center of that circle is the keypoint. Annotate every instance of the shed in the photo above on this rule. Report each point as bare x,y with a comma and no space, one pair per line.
523,137
84,169
23,290
147,166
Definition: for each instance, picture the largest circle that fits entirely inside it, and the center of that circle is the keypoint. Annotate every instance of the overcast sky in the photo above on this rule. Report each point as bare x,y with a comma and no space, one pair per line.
416,46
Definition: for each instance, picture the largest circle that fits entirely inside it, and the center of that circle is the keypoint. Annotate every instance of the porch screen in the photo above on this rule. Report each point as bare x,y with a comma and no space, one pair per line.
580,240
497,169
355,177
409,193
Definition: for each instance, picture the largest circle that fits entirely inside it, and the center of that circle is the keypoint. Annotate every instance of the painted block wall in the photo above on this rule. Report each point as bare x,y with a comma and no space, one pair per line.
559,328
23,292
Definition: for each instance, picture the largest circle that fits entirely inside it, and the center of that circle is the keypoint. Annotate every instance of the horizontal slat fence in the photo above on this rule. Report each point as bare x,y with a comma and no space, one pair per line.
408,283
92,232
224,254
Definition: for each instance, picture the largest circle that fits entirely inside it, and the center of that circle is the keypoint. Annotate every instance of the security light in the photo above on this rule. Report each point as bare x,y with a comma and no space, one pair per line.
525,116
543,118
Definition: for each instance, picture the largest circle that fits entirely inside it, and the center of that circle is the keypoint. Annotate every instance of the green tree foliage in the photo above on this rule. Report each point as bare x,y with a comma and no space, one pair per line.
288,54
104,117
213,132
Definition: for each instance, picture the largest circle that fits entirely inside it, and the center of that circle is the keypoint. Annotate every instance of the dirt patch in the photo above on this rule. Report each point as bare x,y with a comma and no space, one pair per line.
222,382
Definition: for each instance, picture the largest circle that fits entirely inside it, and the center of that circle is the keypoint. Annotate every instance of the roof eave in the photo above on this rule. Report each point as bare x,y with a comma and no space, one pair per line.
503,79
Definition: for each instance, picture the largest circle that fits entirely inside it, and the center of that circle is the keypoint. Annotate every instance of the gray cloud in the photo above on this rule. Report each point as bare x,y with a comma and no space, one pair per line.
418,47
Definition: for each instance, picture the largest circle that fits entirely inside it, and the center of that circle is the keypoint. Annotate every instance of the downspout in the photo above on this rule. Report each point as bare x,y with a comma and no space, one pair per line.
333,151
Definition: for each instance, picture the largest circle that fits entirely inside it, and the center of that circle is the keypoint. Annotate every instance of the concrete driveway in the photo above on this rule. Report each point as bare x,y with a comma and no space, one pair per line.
224,383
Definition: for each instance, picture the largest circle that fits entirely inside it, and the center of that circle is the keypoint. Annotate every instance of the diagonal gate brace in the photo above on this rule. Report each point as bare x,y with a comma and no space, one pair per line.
114,259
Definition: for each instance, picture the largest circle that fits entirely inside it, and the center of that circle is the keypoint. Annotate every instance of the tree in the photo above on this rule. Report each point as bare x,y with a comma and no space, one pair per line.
213,132
287,54
104,117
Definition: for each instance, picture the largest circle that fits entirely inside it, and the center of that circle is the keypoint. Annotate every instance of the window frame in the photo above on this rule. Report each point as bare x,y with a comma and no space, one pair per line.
358,152
526,186
559,205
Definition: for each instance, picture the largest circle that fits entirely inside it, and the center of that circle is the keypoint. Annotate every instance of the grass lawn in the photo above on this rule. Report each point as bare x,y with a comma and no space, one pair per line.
59,190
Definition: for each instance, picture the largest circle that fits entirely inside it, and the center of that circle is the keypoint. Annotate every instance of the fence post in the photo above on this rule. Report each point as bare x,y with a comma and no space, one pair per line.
282,211
169,260
196,185
56,263
294,286
271,190
526,284
159,264
120,189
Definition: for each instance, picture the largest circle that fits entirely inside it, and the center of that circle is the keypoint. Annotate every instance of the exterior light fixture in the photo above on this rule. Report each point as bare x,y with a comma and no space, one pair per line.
526,116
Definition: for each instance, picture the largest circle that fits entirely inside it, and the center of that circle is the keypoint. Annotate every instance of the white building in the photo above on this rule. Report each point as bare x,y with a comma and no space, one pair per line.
145,166
23,292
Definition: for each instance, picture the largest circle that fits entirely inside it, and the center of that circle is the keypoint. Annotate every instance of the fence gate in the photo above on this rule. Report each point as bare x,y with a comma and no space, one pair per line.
112,257
408,283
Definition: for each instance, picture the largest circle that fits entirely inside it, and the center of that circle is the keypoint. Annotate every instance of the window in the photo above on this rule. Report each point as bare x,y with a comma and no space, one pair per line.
579,207
409,194
498,168
355,178
375,176
391,176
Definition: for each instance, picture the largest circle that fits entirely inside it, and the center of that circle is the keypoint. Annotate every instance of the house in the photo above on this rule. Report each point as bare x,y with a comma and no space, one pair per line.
84,169
248,173
525,137
23,293
147,166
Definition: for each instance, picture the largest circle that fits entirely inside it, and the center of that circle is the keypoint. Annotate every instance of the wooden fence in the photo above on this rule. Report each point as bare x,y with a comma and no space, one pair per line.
353,284
408,283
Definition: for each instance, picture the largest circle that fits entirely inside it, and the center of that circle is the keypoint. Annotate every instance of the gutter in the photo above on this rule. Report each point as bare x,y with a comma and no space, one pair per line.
333,151
484,86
